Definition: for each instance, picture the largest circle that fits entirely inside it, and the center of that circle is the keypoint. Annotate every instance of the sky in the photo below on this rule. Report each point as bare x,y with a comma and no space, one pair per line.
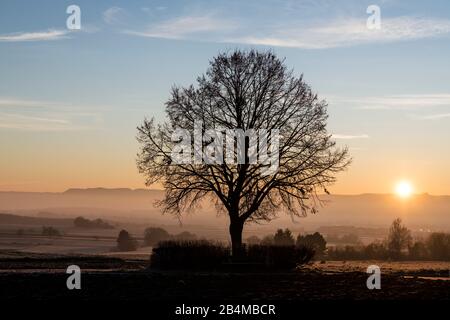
70,100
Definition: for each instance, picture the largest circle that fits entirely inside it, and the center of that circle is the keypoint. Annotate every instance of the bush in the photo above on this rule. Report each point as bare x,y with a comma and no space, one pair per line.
252,240
283,238
50,232
314,241
375,250
200,255
205,255
345,253
125,242
279,257
185,236
439,246
267,240
80,222
154,235
418,251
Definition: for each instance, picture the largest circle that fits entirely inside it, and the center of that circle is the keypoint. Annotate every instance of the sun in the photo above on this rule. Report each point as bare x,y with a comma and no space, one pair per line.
403,189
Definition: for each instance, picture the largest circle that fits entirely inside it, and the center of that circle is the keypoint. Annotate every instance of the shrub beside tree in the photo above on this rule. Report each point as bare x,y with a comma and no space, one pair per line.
252,240
206,255
199,255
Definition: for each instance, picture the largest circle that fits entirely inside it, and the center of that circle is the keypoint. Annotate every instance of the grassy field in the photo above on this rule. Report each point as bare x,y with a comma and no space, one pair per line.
73,244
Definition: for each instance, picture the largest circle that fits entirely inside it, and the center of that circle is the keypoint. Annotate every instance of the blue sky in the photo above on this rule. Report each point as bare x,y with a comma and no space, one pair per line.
71,100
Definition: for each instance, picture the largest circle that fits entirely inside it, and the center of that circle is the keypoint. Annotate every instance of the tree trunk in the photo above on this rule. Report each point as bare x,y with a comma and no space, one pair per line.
236,227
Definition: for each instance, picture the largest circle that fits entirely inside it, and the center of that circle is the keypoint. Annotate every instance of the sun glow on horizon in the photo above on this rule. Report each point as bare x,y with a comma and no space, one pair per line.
403,189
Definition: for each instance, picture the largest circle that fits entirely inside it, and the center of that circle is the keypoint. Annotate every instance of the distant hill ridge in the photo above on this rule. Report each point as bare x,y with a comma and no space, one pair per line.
110,191
6,218
363,209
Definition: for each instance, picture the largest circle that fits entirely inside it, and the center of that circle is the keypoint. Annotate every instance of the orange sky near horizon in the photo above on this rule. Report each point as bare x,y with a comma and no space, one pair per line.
84,167
70,105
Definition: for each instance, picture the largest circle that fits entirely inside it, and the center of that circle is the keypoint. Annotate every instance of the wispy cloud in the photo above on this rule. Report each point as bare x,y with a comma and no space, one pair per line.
312,35
432,116
50,122
350,136
14,102
396,102
34,123
35,36
186,27
35,115
114,15
348,32
23,103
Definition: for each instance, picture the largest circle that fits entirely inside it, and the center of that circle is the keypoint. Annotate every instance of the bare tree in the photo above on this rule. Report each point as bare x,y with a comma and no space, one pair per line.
247,90
399,238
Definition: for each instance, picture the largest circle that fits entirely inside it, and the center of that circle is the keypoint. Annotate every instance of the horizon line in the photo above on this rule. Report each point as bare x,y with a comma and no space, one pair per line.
156,189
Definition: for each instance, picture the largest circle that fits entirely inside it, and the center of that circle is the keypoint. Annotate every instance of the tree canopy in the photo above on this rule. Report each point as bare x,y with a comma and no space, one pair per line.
245,90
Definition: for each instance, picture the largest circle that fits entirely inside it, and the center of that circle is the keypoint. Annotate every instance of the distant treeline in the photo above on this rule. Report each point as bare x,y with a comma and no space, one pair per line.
399,245
51,232
349,238
152,236
435,247
81,222
314,241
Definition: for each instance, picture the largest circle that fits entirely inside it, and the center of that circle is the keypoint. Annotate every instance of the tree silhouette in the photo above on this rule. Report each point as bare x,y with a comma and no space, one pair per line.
247,90
283,238
399,238
154,235
125,242
439,246
315,241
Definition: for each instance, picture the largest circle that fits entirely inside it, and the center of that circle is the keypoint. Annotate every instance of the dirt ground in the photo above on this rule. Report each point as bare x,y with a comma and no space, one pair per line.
403,268
158,286
43,277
